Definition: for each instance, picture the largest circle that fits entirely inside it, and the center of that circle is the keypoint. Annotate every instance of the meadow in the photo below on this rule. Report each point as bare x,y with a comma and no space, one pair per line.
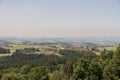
13,48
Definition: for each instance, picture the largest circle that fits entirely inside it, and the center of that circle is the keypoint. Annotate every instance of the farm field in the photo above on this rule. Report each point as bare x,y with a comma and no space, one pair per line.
13,48
102,49
8,54
107,48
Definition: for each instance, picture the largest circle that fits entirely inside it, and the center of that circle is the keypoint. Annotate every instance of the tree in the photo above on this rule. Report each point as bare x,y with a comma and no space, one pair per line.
68,68
57,75
38,73
112,70
25,69
81,69
2,50
86,69
95,71
12,76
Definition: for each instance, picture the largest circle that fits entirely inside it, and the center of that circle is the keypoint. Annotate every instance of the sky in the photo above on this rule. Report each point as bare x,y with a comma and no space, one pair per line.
59,18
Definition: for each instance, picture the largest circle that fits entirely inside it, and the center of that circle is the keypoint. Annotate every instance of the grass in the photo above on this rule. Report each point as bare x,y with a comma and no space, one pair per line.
97,53
8,54
107,48
110,48
38,53
13,48
102,49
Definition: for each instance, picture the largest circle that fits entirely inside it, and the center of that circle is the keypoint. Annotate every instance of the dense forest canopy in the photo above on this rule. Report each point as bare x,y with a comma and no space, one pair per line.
72,65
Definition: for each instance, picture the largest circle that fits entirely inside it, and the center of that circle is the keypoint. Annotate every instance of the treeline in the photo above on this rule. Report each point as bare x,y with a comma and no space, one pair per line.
3,51
83,66
74,53
26,50
21,57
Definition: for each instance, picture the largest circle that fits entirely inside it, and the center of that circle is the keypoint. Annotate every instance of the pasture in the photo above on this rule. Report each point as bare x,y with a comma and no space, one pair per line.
107,48
13,48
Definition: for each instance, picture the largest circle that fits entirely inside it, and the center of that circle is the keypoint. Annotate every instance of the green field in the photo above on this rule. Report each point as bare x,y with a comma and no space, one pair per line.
13,48
102,49
8,54
107,48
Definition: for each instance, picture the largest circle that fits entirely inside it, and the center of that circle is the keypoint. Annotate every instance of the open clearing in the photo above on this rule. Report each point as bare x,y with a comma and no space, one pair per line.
107,48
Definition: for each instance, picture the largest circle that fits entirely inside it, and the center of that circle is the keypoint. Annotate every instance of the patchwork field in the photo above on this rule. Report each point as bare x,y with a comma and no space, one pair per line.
13,48
107,48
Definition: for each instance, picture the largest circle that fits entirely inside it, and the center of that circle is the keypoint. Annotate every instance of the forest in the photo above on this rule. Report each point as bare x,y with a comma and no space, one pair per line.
59,39
72,65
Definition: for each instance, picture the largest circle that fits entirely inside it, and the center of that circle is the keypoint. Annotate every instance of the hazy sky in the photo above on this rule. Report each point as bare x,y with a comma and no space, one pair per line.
59,18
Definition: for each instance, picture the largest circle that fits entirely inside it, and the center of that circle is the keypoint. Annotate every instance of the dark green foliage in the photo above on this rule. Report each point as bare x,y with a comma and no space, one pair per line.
26,50
73,65
57,75
18,60
31,49
107,55
38,73
2,50
81,69
112,70
68,68
74,53
25,69
94,71
69,52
